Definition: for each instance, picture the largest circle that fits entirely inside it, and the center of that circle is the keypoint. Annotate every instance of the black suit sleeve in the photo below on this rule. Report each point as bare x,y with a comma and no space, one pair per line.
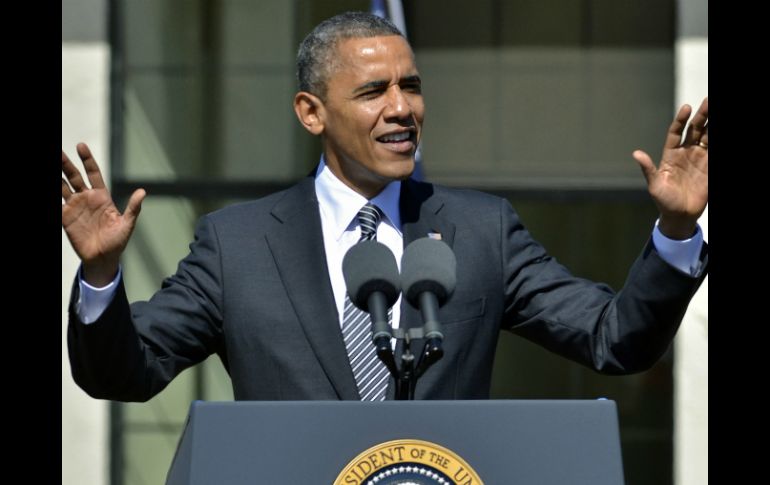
133,351
613,333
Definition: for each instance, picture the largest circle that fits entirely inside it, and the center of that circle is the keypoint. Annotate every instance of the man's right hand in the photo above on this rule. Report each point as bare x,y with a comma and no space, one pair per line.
96,229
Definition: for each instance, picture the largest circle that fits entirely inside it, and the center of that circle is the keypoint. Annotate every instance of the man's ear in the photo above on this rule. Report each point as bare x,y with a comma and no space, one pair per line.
310,111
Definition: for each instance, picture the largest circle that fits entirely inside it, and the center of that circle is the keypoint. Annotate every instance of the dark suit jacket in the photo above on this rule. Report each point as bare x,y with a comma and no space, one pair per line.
255,290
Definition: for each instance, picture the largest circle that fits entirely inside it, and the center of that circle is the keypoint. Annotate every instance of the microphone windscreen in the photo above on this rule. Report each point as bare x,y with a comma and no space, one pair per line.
428,265
367,267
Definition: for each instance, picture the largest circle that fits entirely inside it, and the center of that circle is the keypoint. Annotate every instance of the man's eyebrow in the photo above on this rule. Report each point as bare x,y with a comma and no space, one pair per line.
371,85
381,83
411,80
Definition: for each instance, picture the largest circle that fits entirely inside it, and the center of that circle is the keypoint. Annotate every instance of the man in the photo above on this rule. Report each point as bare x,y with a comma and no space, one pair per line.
262,286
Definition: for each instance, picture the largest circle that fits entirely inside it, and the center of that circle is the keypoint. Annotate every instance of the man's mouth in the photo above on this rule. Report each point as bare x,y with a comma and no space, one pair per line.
401,142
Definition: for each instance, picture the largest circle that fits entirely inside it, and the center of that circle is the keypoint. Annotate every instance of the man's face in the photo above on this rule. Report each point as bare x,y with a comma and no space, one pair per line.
373,112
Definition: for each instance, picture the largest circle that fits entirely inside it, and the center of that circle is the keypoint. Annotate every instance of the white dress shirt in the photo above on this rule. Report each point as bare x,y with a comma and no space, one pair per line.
339,206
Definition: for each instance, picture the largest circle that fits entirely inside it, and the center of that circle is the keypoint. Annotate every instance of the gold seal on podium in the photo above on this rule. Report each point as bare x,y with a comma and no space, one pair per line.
408,462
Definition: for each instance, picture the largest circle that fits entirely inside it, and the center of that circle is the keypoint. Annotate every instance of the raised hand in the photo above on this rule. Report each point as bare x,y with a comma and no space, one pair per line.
679,185
96,229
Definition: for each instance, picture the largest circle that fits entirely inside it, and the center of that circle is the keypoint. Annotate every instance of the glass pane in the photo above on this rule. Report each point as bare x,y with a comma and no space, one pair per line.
542,93
148,455
207,90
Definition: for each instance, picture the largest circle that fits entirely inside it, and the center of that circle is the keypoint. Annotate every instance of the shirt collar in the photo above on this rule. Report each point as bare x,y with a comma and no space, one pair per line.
340,204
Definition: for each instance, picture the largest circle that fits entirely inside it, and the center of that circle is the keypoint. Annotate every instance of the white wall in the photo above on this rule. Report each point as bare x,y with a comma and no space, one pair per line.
691,344
85,95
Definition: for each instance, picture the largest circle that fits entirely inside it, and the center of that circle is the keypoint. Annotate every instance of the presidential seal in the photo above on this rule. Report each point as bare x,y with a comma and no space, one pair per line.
408,462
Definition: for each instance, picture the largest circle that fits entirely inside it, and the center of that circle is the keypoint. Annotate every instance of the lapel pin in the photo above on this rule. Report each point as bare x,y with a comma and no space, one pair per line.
435,235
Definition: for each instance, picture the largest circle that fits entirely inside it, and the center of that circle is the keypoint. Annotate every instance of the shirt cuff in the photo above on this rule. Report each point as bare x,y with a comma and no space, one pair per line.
683,255
92,300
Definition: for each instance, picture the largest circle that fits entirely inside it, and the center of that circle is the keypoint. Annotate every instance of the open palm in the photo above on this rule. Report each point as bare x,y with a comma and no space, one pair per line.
96,229
679,185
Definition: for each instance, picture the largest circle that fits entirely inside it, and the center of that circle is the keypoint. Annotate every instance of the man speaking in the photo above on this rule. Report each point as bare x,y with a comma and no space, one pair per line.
263,287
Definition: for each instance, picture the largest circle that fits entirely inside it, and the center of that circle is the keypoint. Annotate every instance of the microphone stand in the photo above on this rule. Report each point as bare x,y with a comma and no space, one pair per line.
408,372
411,369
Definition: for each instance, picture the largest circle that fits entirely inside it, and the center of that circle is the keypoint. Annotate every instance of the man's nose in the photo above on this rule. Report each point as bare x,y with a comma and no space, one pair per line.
398,105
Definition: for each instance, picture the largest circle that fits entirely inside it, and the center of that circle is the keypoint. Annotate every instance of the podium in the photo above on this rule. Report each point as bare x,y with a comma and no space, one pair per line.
464,442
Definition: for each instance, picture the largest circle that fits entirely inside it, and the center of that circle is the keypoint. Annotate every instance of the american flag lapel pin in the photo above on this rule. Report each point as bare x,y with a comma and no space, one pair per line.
435,235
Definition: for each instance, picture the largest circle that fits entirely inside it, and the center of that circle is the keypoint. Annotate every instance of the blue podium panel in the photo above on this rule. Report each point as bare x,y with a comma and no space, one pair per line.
314,442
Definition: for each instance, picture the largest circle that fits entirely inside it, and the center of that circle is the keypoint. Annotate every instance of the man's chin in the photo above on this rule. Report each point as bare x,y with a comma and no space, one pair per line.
401,170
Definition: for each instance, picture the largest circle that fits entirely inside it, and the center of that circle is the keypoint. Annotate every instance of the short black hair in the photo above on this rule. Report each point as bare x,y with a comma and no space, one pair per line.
315,58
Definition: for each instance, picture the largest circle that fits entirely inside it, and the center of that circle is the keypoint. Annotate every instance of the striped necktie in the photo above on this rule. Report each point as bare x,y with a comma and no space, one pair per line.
370,373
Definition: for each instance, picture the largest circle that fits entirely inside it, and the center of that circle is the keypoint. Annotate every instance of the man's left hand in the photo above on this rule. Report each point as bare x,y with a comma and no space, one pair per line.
679,185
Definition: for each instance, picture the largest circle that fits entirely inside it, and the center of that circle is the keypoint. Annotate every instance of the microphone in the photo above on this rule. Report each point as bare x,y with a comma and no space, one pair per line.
371,276
428,279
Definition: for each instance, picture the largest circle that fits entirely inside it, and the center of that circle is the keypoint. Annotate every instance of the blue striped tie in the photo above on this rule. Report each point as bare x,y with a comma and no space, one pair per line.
370,373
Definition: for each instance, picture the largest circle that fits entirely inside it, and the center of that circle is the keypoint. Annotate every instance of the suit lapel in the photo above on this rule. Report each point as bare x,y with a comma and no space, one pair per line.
421,213
298,250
